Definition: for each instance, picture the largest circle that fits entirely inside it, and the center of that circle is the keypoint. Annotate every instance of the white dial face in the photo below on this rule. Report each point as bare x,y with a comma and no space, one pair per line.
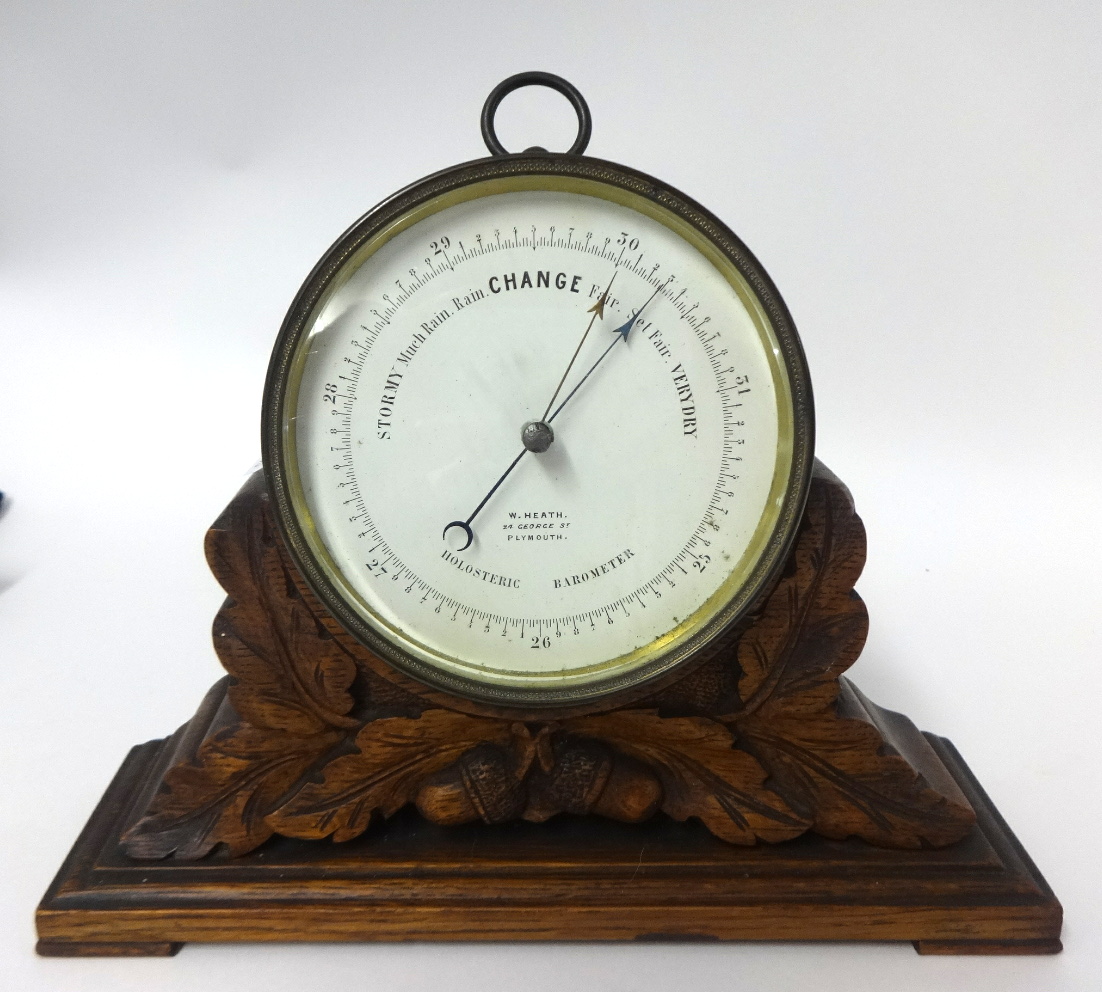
672,436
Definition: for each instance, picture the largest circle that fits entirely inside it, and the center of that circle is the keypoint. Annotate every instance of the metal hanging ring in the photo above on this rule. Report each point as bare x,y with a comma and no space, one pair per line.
550,80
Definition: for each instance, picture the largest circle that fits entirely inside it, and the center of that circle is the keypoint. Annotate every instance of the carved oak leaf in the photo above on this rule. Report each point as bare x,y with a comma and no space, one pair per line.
290,673
239,776
701,772
835,770
395,755
813,625
840,770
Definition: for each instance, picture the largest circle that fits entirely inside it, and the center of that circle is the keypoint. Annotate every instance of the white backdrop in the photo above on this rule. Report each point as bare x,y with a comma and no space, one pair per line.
920,179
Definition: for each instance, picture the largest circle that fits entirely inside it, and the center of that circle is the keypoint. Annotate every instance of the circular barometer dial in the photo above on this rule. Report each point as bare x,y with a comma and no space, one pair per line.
538,430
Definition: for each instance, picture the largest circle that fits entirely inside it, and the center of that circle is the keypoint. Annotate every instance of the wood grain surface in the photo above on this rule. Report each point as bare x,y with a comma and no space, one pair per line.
320,795
572,878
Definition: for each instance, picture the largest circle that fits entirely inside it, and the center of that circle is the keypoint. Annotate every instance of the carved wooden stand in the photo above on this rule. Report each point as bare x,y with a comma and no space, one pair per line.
218,832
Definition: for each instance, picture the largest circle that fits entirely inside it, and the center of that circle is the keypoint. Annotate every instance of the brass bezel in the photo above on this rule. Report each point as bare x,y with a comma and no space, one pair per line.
674,650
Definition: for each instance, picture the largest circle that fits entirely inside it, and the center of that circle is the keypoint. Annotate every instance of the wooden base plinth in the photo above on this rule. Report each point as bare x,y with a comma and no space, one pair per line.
571,878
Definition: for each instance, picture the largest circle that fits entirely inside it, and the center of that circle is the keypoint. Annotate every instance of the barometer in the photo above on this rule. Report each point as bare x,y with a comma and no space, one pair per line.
538,616
538,429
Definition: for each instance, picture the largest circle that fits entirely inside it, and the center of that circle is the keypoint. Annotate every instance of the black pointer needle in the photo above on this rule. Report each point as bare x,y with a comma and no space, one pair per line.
598,310
621,335
465,525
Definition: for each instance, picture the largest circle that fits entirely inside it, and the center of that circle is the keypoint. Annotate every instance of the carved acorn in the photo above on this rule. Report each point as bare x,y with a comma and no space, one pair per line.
482,784
574,775
588,777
